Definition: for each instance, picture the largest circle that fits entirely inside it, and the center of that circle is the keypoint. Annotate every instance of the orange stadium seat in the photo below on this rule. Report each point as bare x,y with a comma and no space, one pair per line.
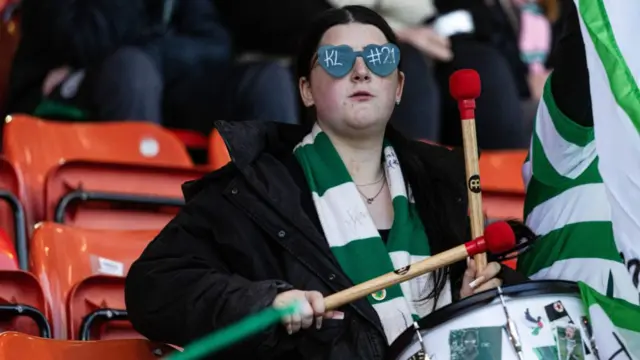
502,187
16,346
84,271
22,304
124,175
191,139
218,153
12,213
197,144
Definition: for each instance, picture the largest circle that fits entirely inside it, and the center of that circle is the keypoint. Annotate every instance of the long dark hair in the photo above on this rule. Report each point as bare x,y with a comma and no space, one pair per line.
436,224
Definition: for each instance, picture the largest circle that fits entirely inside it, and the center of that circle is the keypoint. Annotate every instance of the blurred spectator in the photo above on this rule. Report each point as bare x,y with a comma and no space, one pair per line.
522,31
438,38
166,61
535,43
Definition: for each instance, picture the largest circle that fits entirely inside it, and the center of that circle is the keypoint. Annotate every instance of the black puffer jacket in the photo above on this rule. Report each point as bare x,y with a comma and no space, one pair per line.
247,233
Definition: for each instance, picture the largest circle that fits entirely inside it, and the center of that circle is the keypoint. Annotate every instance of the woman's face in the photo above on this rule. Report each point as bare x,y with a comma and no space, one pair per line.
360,103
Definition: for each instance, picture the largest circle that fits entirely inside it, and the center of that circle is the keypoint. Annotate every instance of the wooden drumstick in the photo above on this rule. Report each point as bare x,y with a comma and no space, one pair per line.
498,238
464,86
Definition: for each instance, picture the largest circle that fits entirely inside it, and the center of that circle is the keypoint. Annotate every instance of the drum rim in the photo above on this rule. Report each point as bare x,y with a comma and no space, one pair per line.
461,307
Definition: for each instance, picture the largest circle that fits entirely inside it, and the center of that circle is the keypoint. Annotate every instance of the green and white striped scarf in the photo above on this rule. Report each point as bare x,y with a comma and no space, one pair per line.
354,239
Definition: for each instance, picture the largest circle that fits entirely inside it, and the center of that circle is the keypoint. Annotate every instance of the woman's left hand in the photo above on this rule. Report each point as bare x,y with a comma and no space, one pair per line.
475,281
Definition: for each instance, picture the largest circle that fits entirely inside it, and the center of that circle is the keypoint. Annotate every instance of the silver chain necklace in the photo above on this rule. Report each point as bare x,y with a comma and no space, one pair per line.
370,200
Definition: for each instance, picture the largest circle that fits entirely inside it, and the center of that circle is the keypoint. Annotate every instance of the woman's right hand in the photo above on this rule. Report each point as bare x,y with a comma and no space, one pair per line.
311,306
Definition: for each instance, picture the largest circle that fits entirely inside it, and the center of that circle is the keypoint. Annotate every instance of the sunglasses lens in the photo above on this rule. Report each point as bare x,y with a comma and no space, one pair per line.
382,60
337,61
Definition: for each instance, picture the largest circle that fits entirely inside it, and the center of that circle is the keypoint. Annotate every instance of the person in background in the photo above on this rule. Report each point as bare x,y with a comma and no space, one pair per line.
524,32
535,41
436,38
271,227
161,61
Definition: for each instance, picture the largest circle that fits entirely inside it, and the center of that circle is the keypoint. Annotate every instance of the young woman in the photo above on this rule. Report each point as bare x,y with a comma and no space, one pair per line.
305,211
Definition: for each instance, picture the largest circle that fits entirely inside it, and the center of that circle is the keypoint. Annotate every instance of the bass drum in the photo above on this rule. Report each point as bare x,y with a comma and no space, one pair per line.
549,317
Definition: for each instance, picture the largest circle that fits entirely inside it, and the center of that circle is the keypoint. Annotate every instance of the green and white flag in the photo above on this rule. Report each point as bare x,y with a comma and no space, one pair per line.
568,203
610,30
615,323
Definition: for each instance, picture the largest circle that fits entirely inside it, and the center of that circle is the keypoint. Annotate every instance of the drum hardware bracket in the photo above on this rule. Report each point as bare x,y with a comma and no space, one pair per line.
422,345
586,328
510,327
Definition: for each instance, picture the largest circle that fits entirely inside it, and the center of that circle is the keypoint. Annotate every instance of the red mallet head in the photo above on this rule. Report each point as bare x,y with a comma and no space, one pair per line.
464,86
498,238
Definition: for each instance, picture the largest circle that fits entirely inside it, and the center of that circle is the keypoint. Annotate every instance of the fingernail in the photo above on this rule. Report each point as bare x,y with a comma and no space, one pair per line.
475,282
319,322
289,330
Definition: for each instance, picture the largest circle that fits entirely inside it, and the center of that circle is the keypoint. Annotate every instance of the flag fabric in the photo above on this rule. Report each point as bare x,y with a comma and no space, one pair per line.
615,324
567,206
568,203
610,32
583,183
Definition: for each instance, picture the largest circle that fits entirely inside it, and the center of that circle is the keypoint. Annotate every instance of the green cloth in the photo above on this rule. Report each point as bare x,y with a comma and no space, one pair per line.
615,323
48,109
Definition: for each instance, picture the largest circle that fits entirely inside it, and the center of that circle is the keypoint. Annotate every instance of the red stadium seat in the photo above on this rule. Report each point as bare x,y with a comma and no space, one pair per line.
16,346
12,213
218,153
22,304
84,270
191,139
502,187
125,175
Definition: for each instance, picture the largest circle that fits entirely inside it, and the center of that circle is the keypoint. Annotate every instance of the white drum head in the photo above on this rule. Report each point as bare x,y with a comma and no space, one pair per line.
549,316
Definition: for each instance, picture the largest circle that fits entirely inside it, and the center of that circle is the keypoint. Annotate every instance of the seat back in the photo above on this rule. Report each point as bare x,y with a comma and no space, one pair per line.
502,187
218,153
23,306
37,148
12,214
84,271
16,346
115,196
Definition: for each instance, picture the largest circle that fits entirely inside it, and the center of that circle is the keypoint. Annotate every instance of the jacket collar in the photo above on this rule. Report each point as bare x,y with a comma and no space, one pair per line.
247,140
